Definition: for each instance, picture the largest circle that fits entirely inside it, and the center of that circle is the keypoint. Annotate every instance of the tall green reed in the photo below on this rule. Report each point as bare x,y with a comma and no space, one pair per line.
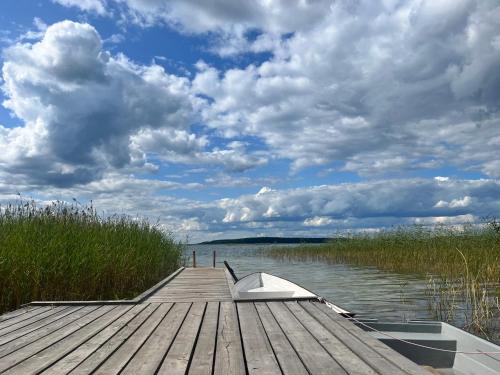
69,252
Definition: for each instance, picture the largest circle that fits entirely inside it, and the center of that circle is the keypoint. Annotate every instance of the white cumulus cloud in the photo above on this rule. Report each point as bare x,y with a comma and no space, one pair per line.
317,221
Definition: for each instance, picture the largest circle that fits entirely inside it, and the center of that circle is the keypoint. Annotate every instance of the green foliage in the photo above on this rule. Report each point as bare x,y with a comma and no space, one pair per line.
413,250
69,252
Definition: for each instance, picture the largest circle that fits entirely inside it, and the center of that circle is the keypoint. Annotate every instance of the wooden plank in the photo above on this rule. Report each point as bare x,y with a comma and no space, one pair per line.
315,358
83,303
15,313
194,289
258,351
193,274
287,357
177,360
119,359
229,353
201,276
187,296
109,347
33,348
194,285
47,357
202,281
363,344
192,292
196,292
202,271
41,333
196,280
190,300
149,357
77,356
30,321
159,285
203,357
21,317
186,284
337,349
37,325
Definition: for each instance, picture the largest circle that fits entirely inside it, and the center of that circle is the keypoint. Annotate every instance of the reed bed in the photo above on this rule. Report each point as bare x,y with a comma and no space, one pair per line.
462,267
69,252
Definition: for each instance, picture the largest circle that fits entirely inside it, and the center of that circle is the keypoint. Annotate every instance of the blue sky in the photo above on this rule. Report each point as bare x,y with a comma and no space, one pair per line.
231,118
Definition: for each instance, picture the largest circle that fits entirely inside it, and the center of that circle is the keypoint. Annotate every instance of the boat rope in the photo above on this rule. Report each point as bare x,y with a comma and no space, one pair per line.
420,345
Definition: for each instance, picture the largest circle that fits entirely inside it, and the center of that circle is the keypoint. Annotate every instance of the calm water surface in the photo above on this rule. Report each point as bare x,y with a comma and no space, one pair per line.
364,290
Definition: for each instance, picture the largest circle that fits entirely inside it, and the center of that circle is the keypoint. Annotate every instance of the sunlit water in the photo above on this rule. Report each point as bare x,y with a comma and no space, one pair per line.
365,291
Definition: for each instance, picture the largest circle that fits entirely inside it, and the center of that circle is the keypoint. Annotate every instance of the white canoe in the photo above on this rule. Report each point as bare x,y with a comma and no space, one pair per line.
261,286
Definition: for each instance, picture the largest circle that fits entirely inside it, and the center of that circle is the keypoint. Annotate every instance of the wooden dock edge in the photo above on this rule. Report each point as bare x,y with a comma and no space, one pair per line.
230,283
134,301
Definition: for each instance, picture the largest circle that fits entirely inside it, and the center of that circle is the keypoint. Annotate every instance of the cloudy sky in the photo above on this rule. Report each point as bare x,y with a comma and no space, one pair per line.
230,118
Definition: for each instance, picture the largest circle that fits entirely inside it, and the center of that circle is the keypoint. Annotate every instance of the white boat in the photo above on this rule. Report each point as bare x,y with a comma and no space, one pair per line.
261,286
438,345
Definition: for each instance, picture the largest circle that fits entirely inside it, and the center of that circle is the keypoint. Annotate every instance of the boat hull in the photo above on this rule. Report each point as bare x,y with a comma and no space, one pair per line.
450,339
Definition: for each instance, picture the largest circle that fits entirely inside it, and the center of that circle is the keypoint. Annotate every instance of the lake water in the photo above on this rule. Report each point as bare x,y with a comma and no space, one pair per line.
365,291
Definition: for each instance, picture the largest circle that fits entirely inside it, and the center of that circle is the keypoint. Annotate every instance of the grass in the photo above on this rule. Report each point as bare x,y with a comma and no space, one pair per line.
69,252
462,267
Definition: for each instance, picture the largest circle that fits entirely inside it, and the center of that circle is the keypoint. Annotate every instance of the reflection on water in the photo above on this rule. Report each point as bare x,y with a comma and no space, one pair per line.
365,291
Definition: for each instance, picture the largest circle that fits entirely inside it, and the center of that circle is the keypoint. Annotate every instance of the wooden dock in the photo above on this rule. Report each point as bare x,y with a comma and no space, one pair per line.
195,284
190,324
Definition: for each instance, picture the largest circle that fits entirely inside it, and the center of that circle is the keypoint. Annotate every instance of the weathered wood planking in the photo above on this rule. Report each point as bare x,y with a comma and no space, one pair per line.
16,313
204,351
105,350
313,355
58,350
177,359
150,356
361,336
24,331
21,315
190,325
287,357
229,358
340,352
259,352
69,362
194,285
126,352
